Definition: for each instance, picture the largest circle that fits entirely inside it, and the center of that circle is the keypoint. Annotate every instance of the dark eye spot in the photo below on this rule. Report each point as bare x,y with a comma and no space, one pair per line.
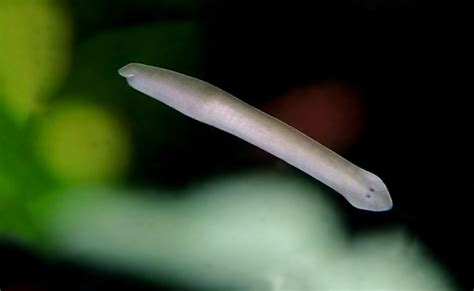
368,196
371,189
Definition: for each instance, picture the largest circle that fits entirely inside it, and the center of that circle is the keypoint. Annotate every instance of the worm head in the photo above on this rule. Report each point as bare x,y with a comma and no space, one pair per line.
371,194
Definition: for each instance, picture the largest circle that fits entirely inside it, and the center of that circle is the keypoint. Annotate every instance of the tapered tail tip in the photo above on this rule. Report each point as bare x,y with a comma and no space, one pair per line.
128,71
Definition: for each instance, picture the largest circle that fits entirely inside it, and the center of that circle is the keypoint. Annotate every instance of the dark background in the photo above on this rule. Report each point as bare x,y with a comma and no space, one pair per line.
401,54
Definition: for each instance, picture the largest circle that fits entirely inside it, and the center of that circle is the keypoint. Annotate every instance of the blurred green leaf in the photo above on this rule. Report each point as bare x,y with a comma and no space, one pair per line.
35,41
241,228
22,179
89,14
249,232
83,143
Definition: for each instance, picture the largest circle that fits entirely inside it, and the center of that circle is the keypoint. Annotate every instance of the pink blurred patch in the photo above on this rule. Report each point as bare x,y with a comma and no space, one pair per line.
332,113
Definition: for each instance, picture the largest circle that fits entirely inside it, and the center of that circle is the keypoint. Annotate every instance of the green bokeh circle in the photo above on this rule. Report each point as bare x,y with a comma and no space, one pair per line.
83,143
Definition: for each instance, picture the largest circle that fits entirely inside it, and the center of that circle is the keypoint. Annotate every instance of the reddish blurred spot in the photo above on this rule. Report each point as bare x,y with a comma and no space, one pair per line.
332,113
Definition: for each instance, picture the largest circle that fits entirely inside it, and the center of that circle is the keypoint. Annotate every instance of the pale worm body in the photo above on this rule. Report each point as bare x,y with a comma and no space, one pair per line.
211,105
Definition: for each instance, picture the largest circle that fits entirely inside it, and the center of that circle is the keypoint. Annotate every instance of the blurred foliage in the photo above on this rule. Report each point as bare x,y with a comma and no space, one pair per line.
34,56
89,14
35,41
392,259
22,179
79,136
240,227
83,143
256,231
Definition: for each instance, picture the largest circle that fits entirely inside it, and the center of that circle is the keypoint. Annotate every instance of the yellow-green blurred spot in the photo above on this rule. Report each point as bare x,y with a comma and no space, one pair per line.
83,143
34,53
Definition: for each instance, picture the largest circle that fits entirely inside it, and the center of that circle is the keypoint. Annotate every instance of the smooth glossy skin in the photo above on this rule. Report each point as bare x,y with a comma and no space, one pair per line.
211,105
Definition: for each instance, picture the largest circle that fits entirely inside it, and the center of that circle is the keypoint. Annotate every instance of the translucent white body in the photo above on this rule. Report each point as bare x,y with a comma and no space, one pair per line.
211,105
